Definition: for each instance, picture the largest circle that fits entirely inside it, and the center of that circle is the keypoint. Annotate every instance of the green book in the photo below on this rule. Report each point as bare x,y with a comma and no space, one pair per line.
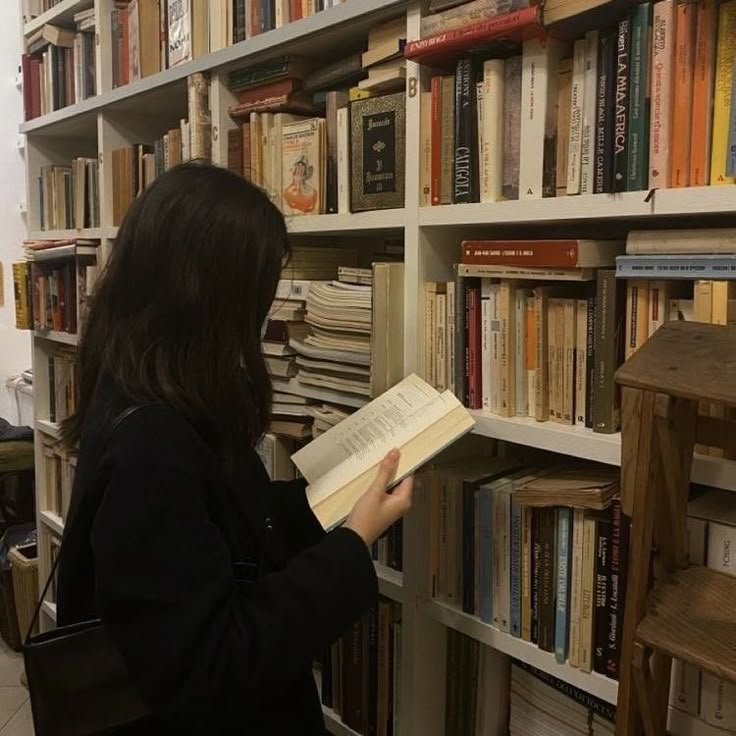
638,153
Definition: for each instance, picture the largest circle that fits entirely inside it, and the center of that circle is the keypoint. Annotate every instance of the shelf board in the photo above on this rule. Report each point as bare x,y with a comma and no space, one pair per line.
684,724
335,725
337,27
584,443
50,429
49,609
65,338
89,233
390,583
720,200
52,521
375,220
593,683
60,15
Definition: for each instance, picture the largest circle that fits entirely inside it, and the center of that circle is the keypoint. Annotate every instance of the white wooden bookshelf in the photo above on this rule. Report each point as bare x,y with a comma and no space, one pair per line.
63,338
144,110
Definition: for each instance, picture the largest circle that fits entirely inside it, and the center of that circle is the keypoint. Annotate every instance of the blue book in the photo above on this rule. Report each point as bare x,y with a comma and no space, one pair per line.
731,149
515,569
485,552
564,563
704,266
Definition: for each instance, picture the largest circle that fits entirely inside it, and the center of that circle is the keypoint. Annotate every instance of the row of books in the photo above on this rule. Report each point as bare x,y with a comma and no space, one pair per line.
59,66
60,466
711,535
54,296
69,196
538,552
136,167
360,674
595,117
149,36
388,550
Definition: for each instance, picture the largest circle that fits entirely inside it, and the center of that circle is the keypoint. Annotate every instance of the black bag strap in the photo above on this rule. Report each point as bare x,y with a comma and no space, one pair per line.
119,419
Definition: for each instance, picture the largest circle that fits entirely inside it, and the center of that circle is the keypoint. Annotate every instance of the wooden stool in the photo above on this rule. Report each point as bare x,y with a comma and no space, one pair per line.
688,612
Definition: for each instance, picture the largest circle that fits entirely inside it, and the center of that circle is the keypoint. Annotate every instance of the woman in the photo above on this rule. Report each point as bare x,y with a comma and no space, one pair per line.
217,586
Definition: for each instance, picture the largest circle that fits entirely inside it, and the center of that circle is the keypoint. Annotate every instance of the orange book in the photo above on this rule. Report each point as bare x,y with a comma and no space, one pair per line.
682,102
705,54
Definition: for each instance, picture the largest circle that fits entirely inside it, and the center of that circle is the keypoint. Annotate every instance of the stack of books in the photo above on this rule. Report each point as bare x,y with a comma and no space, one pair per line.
359,675
539,552
384,60
135,167
62,465
541,703
59,66
69,195
645,104
54,295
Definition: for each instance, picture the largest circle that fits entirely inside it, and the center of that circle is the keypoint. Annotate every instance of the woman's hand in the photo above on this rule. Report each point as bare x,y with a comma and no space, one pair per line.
377,510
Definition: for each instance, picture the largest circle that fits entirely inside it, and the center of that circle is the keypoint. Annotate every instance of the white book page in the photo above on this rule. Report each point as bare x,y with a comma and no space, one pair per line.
363,439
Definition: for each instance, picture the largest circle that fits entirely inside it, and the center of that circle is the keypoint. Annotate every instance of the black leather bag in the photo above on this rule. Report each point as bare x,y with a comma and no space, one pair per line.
77,679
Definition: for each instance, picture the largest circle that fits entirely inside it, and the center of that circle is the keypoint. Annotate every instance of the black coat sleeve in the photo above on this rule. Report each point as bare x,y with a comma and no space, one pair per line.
291,508
202,652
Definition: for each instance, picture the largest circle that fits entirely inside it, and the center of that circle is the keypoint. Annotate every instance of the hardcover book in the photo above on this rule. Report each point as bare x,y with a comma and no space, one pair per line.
378,144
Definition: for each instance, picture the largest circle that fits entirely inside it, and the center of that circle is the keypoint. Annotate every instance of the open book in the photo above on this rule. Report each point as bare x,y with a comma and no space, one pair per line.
341,464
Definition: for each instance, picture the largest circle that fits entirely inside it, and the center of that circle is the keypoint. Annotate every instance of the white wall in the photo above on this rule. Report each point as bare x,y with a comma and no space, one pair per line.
15,345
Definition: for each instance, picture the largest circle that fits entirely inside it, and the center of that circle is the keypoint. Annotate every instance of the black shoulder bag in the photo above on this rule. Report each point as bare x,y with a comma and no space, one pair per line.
77,679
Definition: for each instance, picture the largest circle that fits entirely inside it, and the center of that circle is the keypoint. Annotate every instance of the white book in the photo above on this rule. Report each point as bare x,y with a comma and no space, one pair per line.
218,25
491,140
441,346
531,357
685,680
587,172
341,464
520,348
479,127
486,341
134,42
495,332
576,586
717,697
539,63
451,329
343,160
180,31
577,102
501,565
581,360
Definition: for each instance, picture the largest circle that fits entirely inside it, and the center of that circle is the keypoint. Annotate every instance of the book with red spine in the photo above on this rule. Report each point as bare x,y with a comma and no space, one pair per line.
295,10
567,253
27,87
436,143
441,47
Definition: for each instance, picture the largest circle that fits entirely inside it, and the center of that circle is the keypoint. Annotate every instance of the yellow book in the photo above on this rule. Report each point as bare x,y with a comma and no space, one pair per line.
356,93
725,53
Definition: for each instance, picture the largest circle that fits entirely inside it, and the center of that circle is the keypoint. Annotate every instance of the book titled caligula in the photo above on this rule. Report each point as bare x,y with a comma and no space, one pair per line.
303,167
378,147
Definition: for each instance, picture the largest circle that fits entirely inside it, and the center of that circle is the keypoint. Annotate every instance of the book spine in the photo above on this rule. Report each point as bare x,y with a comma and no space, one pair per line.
530,329
475,391
682,94
461,376
562,603
601,606
465,160
511,126
587,147
725,53
516,542
617,588
441,340
702,93
479,131
533,90
535,254
663,51
581,368
521,385
486,340
451,337
637,315
426,134
621,136
547,589
430,364
370,684
507,349
492,134
536,573
606,406
562,160
485,561
352,677
495,348
568,361
638,164
541,383
501,557
526,572
436,135
554,317
577,102
468,548
585,659
447,149
343,160
590,363
466,14
576,583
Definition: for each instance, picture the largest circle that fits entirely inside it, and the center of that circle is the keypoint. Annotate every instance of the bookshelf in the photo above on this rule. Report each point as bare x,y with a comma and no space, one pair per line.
145,109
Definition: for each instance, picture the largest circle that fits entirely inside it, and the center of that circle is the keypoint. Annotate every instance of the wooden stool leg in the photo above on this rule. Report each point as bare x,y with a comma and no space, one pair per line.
640,482
647,693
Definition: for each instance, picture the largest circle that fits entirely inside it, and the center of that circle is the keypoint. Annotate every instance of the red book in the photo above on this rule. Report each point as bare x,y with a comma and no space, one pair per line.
473,330
27,98
541,253
35,88
255,17
436,163
269,91
516,26
295,10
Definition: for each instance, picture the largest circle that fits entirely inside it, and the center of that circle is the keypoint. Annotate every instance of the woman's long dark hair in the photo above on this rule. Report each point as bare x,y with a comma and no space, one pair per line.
176,317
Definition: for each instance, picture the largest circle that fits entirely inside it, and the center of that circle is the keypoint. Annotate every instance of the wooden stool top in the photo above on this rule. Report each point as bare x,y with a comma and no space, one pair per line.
689,360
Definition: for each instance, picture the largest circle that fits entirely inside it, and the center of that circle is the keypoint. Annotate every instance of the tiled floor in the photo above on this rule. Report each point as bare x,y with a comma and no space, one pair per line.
15,708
